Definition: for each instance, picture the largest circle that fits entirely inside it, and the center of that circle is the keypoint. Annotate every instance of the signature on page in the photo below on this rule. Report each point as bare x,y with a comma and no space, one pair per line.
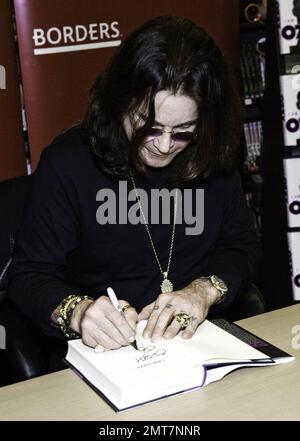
150,351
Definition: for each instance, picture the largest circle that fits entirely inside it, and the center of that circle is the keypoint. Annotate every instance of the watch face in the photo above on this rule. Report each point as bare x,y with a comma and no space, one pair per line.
219,283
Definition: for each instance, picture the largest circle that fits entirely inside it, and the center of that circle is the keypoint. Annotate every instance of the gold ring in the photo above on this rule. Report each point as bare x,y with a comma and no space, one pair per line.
126,307
183,319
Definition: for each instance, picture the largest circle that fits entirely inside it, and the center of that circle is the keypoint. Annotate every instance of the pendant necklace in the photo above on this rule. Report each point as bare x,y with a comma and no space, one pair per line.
166,285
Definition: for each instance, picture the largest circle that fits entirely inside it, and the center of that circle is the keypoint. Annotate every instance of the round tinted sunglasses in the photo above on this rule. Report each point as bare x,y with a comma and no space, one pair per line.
184,136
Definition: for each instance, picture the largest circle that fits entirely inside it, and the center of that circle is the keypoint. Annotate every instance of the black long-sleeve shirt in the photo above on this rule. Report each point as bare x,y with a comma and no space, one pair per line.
61,249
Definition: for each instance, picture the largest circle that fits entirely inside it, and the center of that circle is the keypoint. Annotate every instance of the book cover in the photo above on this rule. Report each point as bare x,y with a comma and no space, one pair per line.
292,175
290,90
289,29
294,246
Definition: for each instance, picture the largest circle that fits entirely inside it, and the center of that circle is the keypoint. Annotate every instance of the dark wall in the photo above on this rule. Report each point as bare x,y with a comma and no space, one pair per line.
12,157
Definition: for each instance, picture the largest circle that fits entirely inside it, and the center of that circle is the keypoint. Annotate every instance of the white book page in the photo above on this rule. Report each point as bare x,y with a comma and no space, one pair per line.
145,374
208,343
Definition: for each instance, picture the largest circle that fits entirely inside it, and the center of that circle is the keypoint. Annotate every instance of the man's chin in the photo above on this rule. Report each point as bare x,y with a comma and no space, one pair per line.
157,161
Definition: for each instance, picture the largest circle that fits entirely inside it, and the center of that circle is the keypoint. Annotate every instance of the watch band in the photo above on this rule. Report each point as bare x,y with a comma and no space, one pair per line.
219,284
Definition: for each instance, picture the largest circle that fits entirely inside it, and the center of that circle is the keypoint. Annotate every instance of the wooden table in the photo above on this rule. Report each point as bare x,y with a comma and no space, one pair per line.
265,393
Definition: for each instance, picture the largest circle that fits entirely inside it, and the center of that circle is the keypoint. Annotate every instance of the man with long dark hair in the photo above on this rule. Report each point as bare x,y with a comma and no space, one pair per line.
163,116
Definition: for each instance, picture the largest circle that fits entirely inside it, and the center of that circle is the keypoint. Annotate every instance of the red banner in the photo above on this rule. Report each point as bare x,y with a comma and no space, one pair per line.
64,45
12,162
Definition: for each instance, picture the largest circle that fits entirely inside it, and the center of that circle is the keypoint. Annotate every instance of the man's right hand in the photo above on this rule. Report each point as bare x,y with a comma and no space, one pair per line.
99,323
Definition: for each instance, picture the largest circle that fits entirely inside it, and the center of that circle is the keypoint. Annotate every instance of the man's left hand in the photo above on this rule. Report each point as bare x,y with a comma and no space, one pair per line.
194,300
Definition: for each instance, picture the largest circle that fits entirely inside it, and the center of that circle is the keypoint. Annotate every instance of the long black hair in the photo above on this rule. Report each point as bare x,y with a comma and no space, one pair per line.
174,54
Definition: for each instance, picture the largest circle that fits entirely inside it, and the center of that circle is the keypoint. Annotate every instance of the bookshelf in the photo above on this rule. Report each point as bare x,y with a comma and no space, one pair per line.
252,68
270,74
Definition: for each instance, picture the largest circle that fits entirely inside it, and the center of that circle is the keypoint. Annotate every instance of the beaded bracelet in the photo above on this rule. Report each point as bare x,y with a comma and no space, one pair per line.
65,314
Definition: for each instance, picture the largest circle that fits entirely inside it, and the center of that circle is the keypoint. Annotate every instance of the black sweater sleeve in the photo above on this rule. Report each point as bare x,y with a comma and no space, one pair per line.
49,232
237,253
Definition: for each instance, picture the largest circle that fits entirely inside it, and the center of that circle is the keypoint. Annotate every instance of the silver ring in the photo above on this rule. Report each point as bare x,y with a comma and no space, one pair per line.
99,348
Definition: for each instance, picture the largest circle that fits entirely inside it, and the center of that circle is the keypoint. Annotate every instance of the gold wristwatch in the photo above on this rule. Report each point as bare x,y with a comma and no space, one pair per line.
219,284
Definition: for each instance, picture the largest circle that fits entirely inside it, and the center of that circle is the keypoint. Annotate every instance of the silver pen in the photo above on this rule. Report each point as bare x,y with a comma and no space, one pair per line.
114,300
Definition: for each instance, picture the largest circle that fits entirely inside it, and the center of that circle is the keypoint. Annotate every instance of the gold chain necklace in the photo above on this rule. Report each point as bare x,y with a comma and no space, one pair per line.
167,285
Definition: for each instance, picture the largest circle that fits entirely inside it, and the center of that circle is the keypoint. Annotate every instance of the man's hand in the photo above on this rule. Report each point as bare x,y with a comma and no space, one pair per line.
194,300
99,323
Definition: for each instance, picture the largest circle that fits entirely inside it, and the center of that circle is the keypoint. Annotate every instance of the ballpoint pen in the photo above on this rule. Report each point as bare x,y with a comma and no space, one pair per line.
114,300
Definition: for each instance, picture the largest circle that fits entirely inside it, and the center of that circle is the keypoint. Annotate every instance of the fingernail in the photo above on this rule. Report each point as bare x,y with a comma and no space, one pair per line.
146,334
155,338
167,336
132,339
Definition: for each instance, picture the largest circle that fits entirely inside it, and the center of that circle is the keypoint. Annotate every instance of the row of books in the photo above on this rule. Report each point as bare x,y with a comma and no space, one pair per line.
253,139
252,63
252,69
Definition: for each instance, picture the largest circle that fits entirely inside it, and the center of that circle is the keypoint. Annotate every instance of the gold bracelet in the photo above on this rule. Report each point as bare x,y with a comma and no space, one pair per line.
65,312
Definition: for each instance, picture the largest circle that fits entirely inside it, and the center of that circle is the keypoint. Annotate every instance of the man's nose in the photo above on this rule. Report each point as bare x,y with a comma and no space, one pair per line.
164,142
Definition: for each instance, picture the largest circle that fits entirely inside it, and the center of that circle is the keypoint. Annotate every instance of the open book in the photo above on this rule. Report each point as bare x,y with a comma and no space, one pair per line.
127,377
